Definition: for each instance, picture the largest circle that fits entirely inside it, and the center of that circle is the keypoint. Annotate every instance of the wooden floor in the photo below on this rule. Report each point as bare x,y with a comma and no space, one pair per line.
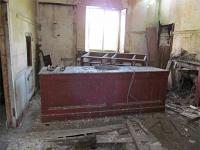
170,128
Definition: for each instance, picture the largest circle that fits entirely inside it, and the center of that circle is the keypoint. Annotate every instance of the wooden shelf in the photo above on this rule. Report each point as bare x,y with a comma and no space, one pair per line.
114,59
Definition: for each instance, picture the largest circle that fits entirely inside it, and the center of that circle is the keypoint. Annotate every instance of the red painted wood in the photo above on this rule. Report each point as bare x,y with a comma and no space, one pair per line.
75,96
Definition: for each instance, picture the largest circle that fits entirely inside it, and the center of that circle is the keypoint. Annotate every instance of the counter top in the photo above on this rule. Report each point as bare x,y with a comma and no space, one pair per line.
99,69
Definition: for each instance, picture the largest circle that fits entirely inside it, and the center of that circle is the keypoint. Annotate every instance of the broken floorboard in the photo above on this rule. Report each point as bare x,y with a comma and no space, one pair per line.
189,112
76,132
114,139
132,135
141,137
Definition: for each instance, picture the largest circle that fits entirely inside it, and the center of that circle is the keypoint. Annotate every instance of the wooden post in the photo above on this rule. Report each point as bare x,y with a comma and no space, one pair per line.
4,47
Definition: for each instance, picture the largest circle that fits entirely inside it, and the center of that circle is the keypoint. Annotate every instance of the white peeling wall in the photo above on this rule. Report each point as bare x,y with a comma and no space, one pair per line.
57,33
186,16
22,16
141,14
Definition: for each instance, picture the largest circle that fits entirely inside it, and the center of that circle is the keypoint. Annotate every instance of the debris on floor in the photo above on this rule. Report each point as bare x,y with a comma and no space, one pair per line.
191,112
152,131
183,104
116,137
142,138
181,98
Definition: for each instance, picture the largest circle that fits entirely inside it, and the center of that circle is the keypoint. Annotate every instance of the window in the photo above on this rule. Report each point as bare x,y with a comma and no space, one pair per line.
122,30
103,29
29,50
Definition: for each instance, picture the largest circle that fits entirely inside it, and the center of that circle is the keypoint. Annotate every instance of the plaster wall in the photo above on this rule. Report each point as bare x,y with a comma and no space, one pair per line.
186,16
57,32
22,16
139,16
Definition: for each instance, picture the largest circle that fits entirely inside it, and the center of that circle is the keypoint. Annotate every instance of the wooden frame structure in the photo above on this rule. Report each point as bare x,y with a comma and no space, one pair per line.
118,59
6,65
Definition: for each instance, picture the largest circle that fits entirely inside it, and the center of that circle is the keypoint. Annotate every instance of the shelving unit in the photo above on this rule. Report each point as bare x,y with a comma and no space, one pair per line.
119,59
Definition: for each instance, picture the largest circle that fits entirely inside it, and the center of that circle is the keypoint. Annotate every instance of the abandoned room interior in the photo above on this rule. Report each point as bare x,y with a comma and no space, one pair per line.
99,74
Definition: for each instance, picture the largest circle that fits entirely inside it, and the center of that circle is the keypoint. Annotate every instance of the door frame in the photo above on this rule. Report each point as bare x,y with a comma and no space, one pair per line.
6,65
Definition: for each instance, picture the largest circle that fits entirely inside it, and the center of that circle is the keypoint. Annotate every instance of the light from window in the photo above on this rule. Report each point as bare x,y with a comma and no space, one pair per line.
102,29
122,30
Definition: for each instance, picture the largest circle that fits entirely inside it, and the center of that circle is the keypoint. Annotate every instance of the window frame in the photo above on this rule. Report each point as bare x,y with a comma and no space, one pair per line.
87,48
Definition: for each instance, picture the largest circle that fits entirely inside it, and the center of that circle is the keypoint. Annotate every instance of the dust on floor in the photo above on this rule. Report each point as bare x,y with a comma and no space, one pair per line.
171,129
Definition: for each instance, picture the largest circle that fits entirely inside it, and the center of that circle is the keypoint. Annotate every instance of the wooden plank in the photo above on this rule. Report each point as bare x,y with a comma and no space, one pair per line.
114,139
130,146
194,119
183,112
114,57
152,46
185,64
143,140
138,141
145,130
58,2
75,132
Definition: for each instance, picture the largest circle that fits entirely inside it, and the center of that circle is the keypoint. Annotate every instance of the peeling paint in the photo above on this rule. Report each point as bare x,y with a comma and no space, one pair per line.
139,16
185,15
22,21
58,32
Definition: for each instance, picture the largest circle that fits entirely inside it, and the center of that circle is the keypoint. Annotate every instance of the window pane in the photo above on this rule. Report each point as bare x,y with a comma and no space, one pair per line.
94,28
122,30
111,30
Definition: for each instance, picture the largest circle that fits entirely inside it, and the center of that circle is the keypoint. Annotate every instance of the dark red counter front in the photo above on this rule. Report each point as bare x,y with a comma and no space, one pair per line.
73,95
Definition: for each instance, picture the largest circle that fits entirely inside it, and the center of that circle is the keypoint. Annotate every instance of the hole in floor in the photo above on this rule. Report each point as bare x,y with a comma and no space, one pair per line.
82,143
47,124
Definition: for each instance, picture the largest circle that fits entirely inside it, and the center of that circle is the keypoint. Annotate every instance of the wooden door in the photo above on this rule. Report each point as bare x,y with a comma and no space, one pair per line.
165,37
58,32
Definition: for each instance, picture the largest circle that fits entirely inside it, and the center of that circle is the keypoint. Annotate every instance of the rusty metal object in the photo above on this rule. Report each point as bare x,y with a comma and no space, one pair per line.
69,95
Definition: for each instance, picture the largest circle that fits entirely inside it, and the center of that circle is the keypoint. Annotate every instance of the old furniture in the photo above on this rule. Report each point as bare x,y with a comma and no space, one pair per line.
119,59
91,91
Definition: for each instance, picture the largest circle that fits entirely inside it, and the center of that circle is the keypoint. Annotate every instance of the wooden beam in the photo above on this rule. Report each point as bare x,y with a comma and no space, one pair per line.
5,56
187,64
143,139
59,2
137,141
114,139
74,132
